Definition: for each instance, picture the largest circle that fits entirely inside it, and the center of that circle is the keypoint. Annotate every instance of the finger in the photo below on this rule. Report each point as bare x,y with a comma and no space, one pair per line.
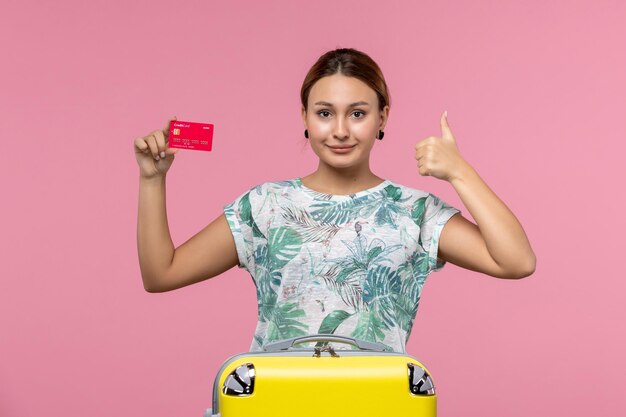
166,129
154,149
141,145
160,140
421,152
422,170
446,132
425,142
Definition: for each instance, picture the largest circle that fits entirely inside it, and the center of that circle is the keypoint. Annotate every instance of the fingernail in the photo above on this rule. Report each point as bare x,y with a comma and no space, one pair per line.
162,154
157,157
445,114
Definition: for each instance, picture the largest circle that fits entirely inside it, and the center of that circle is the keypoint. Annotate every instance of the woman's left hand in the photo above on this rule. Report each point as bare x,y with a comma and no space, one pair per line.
440,157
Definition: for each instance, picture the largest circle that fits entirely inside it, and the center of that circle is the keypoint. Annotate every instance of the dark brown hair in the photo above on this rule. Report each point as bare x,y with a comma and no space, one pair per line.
351,63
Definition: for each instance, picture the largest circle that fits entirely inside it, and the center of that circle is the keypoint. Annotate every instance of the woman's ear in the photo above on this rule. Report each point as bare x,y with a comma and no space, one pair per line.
303,110
384,115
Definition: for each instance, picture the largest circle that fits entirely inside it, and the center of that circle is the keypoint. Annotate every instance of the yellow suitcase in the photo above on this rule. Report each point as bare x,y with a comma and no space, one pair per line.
285,381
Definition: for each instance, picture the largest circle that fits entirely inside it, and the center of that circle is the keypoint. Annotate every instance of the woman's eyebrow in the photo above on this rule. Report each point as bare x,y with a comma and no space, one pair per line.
356,103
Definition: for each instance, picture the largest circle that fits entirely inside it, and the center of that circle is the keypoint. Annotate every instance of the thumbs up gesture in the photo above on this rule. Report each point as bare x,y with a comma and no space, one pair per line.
439,156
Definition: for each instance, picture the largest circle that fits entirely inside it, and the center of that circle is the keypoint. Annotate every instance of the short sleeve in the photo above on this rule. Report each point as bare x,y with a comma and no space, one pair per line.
436,214
240,219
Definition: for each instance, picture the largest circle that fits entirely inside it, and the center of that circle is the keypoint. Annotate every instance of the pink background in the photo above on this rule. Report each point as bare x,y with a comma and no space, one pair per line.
535,95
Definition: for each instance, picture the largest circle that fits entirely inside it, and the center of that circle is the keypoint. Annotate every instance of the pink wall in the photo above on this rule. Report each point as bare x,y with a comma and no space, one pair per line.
535,95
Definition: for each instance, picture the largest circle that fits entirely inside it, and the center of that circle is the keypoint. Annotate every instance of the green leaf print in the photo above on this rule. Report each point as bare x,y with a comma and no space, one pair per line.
330,324
390,207
387,212
345,275
380,289
417,215
363,256
406,309
310,229
412,273
284,322
346,272
406,304
263,271
395,193
345,211
385,203
264,278
266,303
333,212
349,288
277,278
373,253
245,212
332,321
284,244
368,327
416,265
417,212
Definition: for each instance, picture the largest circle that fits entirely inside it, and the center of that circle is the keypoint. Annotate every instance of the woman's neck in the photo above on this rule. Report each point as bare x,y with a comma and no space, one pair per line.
341,181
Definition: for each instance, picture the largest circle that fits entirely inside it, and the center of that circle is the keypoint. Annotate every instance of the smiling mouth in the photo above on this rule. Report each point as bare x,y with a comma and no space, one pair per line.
341,150
342,147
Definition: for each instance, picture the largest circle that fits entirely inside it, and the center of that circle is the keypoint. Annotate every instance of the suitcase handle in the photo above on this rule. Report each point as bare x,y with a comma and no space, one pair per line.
361,344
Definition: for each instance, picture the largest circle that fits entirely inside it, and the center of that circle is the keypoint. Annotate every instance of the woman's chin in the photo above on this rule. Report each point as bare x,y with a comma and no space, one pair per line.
338,160
341,163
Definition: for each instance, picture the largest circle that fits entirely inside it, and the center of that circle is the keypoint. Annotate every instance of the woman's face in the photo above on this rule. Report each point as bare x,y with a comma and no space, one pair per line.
343,120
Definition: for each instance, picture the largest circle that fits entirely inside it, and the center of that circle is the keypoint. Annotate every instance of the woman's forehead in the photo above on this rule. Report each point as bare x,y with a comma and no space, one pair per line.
338,89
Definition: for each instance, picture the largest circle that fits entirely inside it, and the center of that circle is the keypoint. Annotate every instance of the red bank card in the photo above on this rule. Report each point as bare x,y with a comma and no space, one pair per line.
190,135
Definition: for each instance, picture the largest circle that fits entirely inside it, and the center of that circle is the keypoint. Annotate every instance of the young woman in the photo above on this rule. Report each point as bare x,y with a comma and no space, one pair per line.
341,250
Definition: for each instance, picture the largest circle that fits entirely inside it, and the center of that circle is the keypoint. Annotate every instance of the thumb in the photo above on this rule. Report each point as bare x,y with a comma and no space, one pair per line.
166,129
446,133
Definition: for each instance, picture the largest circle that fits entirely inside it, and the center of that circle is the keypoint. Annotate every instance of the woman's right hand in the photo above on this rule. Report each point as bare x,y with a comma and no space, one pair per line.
152,153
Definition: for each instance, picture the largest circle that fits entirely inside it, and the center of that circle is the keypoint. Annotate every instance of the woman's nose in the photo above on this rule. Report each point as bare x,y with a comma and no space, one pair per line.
341,129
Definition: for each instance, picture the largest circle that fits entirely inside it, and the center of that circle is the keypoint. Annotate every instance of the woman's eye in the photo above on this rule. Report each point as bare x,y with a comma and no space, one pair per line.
358,114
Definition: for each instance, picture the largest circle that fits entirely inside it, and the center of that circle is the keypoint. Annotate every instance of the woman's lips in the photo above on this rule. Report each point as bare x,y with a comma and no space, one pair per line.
341,150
